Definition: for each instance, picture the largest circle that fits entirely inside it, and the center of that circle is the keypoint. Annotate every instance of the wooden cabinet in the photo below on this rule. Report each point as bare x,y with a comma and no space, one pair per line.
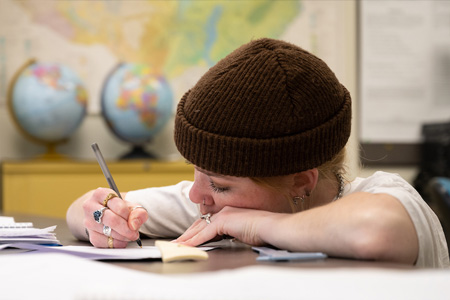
48,188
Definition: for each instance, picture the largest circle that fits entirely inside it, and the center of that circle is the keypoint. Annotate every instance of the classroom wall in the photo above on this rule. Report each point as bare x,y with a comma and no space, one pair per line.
93,129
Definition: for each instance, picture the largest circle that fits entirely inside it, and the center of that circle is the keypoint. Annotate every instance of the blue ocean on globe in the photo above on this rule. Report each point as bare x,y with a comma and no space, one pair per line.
48,102
136,102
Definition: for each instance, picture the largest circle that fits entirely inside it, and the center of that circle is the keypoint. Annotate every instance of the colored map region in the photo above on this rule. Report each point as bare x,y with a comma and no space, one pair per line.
138,92
50,76
170,36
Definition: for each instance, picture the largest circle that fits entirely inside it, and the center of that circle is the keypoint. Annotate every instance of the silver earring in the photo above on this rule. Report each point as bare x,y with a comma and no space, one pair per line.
302,200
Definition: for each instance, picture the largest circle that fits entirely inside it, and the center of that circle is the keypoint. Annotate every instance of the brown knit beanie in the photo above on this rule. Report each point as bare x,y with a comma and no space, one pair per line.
269,108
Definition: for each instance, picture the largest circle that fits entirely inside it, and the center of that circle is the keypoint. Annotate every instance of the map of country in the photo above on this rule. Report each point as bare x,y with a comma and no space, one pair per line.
170,36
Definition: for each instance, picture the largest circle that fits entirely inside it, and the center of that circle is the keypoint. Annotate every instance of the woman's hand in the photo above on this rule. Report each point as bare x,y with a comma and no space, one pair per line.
120,216
242,224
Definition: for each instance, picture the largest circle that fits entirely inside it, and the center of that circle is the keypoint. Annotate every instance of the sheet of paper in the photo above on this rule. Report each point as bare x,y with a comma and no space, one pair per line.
8,222
27,232
23,234
132,252
404,62
70,277
146,252
4,246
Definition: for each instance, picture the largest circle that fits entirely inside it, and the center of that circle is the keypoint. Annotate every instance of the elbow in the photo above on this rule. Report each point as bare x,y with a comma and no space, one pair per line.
387,241
371,246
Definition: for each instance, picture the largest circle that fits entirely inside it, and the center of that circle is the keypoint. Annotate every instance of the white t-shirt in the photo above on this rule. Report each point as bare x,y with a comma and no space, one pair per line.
433,251
171,212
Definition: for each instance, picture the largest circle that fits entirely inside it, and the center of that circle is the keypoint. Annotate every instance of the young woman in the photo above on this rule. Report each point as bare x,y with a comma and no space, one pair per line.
266,129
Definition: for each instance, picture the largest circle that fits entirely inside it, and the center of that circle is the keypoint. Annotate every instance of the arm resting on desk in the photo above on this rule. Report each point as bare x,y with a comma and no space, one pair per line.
360,225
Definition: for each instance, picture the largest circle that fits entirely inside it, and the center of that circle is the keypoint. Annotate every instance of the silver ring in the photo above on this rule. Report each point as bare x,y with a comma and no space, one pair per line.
107,230
139,206
98,214
206,217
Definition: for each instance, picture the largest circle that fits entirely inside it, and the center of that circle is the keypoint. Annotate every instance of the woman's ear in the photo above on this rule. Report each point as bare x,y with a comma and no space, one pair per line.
305,182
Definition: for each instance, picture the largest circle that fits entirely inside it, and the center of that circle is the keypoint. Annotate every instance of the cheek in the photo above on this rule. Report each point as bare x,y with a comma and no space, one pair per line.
276,203
262,199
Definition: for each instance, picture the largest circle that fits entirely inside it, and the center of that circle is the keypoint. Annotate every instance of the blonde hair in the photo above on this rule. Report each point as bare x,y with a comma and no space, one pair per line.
331,168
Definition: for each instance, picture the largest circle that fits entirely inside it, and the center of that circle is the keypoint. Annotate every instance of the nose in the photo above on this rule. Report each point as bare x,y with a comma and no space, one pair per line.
194,193
199,191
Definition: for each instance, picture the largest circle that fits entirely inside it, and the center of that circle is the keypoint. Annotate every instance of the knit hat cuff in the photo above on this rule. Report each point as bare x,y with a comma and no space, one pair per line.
249,157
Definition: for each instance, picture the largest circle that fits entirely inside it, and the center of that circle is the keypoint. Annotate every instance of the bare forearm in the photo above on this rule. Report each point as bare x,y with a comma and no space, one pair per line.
363,226
303,232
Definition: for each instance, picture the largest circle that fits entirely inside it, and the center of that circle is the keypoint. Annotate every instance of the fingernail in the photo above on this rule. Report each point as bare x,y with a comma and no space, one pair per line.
136,223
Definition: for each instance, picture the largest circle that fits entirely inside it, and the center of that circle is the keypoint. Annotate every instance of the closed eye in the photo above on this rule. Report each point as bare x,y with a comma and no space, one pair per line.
218,189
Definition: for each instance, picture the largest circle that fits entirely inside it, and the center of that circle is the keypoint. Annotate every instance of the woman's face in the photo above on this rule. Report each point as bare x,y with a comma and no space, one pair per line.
213,192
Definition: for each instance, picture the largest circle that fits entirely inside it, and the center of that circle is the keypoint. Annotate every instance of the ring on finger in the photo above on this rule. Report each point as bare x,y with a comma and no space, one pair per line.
108,197
110,242
139,206
98,214
207,218
107,230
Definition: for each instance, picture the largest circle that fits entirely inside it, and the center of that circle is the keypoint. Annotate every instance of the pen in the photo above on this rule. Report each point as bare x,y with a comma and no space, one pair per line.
108,176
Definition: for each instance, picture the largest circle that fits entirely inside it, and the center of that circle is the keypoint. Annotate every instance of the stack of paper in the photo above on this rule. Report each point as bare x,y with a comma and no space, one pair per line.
12,232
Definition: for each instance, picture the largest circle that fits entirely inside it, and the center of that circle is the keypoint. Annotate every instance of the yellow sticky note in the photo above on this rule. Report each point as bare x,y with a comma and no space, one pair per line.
176,252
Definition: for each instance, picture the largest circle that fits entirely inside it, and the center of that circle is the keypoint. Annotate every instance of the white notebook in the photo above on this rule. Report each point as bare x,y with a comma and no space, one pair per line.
23,232
8,222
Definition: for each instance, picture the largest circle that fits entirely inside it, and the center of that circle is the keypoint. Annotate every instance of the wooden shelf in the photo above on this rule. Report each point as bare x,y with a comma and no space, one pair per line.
48,188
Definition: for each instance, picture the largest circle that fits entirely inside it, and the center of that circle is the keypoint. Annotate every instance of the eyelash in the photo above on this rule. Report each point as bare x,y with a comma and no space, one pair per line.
217,189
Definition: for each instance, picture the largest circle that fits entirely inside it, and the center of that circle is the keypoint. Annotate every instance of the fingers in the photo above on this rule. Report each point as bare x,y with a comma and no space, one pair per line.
99,240
138,215
200,232
106,231
116,215
118,226
194,229
116,204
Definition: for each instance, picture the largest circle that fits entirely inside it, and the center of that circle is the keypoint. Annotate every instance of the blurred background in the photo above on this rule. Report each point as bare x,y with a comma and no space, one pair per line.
176,40
107,60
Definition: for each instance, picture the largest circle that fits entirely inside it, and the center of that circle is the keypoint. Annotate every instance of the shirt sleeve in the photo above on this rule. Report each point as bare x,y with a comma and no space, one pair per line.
169,209
433,251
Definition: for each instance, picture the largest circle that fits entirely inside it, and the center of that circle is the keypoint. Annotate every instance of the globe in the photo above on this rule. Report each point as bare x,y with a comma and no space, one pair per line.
48,102
137,103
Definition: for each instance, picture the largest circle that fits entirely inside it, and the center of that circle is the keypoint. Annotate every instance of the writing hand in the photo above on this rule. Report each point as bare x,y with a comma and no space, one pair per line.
119,216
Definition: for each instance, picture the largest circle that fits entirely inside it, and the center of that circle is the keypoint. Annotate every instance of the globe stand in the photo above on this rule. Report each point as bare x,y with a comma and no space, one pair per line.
138,152
51,154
